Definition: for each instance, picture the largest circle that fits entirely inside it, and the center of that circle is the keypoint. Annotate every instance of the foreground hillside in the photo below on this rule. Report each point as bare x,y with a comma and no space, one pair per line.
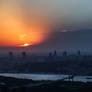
21,85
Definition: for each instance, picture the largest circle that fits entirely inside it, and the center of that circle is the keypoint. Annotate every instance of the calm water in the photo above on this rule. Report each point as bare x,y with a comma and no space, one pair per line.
47,77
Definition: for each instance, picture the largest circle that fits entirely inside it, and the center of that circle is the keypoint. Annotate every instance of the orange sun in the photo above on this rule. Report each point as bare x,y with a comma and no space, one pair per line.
25,45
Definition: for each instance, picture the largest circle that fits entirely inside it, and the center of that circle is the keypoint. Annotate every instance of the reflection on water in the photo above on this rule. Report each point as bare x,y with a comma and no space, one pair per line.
47,77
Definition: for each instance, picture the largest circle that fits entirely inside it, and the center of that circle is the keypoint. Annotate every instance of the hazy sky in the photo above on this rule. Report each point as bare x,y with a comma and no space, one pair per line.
32,21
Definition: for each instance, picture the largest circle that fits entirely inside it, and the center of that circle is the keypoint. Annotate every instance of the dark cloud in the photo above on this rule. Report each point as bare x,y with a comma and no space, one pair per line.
70,41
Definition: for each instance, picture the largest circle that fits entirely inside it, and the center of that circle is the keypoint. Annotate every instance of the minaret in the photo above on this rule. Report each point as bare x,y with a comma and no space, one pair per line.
50,54
10,54
55,53
23,54
65,53
79,53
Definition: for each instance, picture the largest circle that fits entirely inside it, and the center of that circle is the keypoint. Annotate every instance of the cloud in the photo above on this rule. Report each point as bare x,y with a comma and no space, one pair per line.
49,13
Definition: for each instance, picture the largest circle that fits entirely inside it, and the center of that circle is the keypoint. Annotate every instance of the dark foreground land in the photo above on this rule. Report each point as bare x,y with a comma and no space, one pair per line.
22,85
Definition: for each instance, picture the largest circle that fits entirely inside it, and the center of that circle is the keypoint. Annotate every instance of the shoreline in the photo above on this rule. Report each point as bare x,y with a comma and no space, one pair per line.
52,77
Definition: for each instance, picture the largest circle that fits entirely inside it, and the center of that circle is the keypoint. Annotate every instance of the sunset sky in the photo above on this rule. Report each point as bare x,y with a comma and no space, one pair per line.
31,22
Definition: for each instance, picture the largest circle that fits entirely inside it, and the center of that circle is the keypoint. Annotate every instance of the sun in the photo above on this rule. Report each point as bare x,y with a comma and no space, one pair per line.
26,44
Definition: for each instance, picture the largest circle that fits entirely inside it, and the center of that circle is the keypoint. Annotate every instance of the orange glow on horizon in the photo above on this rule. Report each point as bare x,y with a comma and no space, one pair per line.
13,30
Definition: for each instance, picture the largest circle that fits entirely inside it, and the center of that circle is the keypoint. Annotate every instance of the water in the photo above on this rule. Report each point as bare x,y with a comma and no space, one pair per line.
46,77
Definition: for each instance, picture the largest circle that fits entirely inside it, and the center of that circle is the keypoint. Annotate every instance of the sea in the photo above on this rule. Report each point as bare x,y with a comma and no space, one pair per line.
52,77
